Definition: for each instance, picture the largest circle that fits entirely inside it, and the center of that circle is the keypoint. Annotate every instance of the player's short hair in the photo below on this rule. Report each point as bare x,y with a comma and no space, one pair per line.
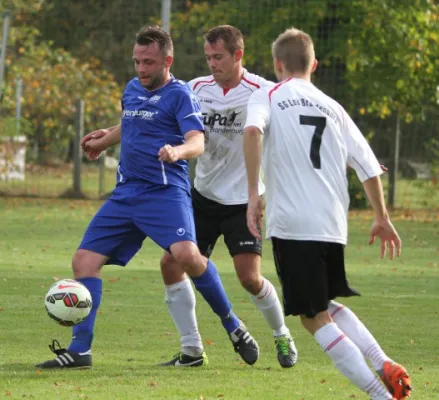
295,49
150,34
231,36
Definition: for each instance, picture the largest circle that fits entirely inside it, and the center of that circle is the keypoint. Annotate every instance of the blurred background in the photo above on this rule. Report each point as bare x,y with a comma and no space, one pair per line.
64,64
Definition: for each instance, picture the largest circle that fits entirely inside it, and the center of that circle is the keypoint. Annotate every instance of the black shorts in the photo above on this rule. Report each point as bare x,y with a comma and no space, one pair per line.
311,273
213,219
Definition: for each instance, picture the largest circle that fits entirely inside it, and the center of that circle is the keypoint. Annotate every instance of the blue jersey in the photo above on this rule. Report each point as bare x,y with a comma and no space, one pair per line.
150,120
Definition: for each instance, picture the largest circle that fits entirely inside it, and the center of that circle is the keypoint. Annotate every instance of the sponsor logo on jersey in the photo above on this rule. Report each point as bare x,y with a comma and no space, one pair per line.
155,99
144,114
219,119
151,100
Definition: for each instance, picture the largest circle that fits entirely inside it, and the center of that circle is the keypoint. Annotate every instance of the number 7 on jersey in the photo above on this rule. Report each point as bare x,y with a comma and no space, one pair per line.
319,123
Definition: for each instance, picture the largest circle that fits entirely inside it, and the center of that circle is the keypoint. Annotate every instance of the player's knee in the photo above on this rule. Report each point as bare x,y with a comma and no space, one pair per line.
86,263
187,256
313,324
251,282
172,271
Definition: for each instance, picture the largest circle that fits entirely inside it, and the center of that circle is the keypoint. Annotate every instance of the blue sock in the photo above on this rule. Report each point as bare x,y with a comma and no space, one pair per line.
210,286
83,332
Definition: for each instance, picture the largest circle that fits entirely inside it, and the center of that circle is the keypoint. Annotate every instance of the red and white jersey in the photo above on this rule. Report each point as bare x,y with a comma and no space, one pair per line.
220,173
309,140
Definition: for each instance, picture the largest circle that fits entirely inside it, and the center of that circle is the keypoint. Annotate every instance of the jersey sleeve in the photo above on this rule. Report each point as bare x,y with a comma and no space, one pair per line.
188,112
258,110
360,155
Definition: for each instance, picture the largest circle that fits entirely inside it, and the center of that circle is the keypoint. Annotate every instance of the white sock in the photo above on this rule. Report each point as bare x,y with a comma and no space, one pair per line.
349,361
180,299
269,305
352,327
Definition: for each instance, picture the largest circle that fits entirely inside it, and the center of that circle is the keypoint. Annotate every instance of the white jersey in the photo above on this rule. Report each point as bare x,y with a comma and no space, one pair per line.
220,173
309,141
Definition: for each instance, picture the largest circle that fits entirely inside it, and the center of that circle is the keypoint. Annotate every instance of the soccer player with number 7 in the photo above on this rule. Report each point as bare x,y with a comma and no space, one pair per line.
308,141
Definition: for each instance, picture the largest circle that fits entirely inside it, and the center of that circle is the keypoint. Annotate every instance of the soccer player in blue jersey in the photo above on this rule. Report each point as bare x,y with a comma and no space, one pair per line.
161,128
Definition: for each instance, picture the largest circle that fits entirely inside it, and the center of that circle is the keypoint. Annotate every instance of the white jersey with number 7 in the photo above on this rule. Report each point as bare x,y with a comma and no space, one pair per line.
309,140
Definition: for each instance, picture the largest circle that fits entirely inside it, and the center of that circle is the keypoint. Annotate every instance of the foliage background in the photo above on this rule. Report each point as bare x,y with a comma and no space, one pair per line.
379,59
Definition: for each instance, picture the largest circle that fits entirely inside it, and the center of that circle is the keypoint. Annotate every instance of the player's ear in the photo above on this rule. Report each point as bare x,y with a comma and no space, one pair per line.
168,61
239,54
314,65
278,66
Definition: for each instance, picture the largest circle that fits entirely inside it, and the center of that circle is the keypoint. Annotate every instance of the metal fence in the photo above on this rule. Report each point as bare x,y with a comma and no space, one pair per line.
63,67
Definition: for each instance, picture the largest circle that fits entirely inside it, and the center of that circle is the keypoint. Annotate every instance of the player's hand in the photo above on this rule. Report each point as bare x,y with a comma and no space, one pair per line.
384,229
383,168
169,154
93,144
254,216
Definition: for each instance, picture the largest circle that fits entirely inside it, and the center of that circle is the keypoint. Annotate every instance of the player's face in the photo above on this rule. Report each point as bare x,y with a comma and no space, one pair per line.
222,64
151,65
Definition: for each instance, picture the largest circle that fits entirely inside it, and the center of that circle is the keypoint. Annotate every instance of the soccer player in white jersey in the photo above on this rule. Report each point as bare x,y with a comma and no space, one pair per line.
219,196
219,199
309,140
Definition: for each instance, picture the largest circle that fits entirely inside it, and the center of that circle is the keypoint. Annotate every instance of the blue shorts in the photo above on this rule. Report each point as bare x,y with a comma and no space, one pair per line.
136,210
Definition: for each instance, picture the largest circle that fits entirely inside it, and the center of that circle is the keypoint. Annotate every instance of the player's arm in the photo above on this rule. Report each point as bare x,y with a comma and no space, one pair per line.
191,148
98,141
253,157
190,120
258,117
368,169
382,227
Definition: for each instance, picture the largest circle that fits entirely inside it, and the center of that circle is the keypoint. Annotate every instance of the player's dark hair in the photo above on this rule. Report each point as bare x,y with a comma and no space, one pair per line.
295,49
231,36
150,34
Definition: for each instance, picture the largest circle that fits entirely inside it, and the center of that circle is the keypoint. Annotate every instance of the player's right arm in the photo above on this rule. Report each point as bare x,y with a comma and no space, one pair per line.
94,143
258,118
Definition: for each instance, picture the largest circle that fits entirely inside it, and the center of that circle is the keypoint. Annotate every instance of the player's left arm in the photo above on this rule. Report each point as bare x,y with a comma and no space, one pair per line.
191,148
190,120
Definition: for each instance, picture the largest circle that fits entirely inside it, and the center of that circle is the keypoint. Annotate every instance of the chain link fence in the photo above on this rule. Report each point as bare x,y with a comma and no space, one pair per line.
58,54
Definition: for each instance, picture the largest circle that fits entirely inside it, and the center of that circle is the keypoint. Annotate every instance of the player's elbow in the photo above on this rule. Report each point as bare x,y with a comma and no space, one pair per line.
252,132
198,148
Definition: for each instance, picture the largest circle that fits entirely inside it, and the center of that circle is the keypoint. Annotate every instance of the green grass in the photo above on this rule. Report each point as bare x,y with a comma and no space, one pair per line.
134,331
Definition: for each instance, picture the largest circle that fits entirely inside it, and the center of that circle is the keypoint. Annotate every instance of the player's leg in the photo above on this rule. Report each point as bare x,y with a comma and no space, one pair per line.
180,300
393,375
177,234
109,239
302,267
207,281
246,253
179,294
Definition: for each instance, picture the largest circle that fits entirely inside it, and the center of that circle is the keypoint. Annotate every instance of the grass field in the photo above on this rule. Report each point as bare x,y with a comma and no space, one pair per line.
399,304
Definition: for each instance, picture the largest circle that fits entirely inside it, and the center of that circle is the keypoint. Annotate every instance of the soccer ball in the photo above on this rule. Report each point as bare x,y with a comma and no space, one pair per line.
68,302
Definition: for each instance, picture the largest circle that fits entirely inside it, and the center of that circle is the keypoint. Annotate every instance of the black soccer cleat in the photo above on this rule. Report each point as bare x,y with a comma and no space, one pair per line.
286,351
244,344
185,360
66,359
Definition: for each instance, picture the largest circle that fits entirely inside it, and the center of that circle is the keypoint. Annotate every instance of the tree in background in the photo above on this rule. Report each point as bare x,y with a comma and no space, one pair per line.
52,80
